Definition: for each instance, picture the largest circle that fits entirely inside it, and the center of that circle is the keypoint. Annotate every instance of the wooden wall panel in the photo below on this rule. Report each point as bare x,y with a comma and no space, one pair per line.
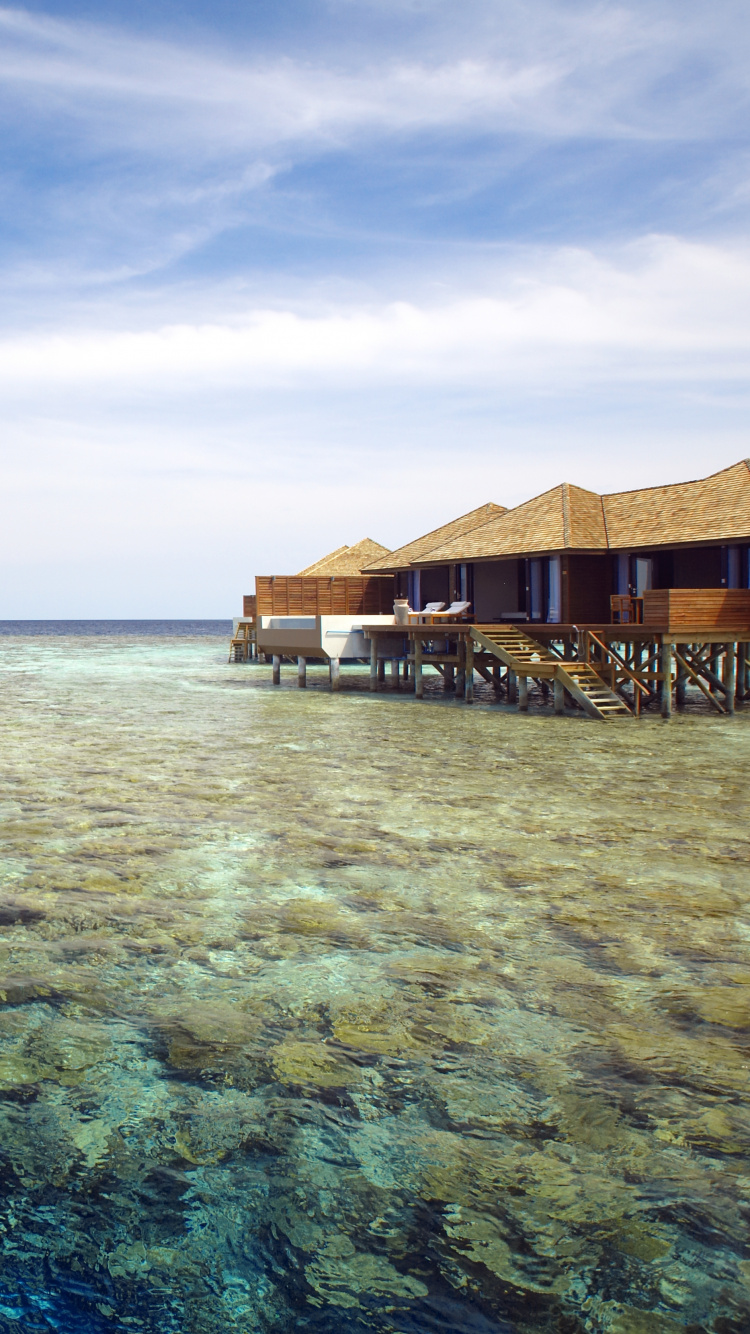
343,595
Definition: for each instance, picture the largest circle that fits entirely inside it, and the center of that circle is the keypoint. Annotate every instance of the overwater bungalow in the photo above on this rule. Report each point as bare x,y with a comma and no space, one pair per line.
609,602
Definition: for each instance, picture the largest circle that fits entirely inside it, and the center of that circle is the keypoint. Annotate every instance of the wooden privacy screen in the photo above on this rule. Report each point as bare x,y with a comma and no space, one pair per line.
248,605
344,595
717,608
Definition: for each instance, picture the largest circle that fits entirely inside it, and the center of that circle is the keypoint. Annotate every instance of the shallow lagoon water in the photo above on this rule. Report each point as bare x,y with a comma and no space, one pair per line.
352,1013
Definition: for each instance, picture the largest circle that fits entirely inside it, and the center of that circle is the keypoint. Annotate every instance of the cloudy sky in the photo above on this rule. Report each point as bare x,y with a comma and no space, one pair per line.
278,275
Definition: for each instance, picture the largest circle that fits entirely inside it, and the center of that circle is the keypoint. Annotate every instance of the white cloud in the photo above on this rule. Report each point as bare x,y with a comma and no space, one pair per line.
550,69
661,307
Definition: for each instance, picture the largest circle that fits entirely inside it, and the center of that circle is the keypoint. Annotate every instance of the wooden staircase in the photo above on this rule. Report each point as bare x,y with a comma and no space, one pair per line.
524,656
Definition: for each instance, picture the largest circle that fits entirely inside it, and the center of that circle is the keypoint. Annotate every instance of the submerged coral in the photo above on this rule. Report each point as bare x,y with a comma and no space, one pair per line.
347,1013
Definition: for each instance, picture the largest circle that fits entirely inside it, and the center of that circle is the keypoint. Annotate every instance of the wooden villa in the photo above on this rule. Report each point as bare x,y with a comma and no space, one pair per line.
611,602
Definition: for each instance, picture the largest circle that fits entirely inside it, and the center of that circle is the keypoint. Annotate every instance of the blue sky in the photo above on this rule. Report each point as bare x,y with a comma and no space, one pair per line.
279,276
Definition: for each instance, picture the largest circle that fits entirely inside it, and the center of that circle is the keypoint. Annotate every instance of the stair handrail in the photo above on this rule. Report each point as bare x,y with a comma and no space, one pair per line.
620,661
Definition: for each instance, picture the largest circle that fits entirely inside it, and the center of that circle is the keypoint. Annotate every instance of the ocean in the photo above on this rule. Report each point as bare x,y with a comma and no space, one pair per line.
351,1013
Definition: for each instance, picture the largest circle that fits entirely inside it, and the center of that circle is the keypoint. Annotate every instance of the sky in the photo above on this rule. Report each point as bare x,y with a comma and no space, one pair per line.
277,276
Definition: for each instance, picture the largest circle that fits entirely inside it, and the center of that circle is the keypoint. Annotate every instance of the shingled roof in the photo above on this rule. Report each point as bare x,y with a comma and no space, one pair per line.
404,557
568,518
714,509
347,560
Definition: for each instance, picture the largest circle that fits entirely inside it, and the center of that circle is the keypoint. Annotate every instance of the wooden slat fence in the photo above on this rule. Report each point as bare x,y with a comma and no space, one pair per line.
343,595
716,608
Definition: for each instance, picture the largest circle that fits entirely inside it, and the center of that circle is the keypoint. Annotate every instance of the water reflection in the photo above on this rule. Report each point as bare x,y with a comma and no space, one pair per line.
342,1014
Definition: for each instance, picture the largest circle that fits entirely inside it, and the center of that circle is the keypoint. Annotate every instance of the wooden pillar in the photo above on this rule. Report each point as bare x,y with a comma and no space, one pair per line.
496,678
523,694
730,675
276,669
512,687
680,690
418,683
374,663
394,673
381,671
469,678
461,673
559,691
741,673
666,685
301,672
334,668
448,679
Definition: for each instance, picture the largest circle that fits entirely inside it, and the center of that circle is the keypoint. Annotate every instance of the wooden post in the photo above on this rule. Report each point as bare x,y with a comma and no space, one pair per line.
496,678
741,673
666,685
512,687
448,679
394,673
680,690
469,677
523,694
374,663
730,675
381,671
461,673
335,668
559,691
418,683
276,669
301,672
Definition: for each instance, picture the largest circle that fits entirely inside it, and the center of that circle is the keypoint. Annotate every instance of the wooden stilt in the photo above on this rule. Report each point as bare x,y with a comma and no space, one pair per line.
666,684
496,678
374,663
301,672
469,677
523,694
276,678
741,672
461,673
418,683
680,690
512,687
335,669
730,675
449,683
394,673
559,690
381,671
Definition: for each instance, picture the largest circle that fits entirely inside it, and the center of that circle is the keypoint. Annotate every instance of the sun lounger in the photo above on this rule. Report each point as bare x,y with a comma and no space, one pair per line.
458,611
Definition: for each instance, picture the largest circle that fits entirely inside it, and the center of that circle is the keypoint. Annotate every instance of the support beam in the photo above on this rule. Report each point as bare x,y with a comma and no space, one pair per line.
301,672
449,683
276,677
469,676
512,687
559,690
394,673
666,684
523,694
381,671
335,670
374,663
418,683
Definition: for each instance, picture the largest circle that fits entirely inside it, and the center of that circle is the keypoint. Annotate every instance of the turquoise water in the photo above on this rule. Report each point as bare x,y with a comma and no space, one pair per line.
353,1013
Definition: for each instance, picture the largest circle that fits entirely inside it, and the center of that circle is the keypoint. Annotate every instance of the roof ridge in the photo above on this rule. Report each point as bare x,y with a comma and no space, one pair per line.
604,522
565,489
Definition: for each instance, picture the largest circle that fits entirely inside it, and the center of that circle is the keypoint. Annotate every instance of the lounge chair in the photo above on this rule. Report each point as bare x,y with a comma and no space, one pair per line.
429,609
458,611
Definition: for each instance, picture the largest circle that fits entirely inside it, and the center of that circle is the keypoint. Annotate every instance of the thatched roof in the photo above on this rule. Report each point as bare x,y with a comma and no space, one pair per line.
568,518
348,560
404,557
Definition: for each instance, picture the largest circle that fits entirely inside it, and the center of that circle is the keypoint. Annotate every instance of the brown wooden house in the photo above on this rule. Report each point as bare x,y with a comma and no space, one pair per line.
559,557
